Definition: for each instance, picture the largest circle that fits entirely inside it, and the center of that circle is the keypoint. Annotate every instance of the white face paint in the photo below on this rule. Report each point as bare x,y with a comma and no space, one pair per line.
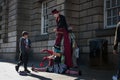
56,15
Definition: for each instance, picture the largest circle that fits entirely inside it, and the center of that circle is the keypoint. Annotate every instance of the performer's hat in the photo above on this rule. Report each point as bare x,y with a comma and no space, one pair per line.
55,11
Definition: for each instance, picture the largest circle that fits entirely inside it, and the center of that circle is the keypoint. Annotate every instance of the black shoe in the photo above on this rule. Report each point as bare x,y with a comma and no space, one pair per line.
17,68
27,71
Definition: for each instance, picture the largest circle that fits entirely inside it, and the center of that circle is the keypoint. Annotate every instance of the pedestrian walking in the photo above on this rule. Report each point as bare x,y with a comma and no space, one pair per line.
25,48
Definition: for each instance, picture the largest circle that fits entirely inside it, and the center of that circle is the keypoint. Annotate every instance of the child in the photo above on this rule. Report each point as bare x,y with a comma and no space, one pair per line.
24,47
75,56
74,48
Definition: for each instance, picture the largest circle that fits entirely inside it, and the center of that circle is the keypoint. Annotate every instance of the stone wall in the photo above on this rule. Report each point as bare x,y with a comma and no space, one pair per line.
91,18
86,17
92,26
42,41
87,20
8,29
72,15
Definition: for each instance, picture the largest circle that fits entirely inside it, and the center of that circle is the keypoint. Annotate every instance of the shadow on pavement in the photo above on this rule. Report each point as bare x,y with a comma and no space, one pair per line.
39,77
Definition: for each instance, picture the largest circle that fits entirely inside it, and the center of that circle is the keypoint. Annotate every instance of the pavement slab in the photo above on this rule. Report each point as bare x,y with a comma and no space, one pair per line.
7,72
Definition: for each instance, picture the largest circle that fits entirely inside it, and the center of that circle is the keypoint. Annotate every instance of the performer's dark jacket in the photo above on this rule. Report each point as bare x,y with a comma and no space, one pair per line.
61,22
117,36
23,47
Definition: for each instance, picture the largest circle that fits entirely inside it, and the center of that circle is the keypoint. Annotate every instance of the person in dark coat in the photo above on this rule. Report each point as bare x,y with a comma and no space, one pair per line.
62,32
24,47
117,48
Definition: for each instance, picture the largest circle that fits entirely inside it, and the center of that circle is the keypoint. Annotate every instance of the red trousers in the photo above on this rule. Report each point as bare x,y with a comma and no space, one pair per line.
62,33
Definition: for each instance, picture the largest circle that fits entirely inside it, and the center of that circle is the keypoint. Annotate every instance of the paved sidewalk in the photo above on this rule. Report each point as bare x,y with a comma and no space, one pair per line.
7,72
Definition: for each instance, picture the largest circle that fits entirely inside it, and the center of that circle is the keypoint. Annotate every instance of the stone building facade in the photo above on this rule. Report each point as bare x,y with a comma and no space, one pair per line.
90,19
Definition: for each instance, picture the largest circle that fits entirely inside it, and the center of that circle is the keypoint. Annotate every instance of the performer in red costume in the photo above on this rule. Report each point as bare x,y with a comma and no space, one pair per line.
57,66
62,32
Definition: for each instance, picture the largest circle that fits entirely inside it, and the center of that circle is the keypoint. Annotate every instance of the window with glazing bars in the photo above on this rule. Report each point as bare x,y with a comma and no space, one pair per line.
111,13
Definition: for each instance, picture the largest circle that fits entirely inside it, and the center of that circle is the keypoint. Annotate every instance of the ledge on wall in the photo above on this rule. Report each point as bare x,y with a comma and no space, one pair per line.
105,32
39,38
10,56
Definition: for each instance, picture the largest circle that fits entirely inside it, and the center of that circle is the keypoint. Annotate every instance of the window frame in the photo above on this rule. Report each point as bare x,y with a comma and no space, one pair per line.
43,18
106,26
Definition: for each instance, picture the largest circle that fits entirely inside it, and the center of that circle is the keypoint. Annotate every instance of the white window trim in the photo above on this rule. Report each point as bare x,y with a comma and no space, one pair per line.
105,17
42,20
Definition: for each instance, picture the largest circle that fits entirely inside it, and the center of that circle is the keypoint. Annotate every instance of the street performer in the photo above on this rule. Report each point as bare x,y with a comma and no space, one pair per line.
62,32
